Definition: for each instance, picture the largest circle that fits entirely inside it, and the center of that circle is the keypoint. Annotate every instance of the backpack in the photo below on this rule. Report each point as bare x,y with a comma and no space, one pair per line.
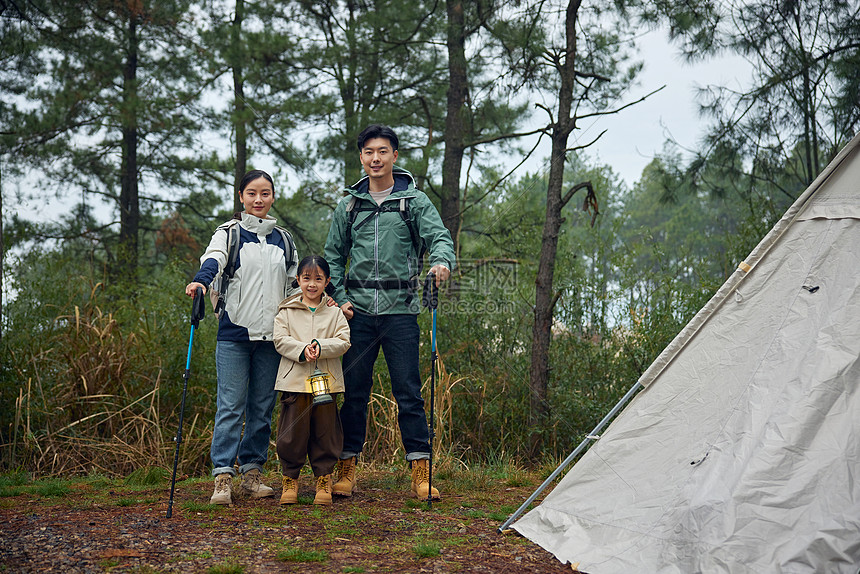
418,244
218,288
401,206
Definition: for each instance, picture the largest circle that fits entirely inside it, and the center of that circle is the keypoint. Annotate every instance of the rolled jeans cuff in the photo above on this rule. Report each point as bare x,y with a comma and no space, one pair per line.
251,466
417,456
224,470
348,454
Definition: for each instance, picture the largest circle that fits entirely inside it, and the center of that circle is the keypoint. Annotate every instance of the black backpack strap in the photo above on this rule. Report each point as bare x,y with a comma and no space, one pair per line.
401,206
350,220
410,284
417,242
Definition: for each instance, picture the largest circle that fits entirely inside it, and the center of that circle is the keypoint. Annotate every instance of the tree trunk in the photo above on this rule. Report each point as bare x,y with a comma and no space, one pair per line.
544,296
239,108
454,120
129,208
352,170
2,252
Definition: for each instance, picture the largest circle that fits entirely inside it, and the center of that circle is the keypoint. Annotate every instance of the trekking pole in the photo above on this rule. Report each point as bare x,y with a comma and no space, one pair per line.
198,310
430,299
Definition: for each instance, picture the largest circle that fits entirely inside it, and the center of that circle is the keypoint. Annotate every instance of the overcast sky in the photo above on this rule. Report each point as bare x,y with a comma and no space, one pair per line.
637,134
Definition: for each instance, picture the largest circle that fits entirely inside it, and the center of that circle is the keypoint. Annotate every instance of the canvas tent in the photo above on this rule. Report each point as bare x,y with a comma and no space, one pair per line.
742,452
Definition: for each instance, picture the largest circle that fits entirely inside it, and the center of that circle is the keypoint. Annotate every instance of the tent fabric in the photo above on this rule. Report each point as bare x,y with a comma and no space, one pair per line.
742,453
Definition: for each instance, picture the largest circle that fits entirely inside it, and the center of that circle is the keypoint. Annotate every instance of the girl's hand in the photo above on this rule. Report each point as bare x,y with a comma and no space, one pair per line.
191,288
312,351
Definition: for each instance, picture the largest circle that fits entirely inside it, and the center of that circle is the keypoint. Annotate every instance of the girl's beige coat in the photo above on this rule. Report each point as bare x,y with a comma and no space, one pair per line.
295,327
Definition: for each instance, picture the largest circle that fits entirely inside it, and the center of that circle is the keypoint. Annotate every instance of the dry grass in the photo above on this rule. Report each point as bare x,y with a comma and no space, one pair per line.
383,444
93,403
92,398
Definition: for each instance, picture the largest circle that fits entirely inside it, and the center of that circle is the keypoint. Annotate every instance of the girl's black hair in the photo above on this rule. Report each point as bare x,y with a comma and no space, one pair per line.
252,175
315,261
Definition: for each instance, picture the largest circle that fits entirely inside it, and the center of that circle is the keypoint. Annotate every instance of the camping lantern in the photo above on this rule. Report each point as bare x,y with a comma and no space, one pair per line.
319,387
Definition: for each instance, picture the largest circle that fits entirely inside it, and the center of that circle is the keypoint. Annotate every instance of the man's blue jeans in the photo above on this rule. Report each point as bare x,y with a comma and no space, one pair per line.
397,335
246,390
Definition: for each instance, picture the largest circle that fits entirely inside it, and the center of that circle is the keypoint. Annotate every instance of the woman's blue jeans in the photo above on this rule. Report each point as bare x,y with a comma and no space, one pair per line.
397,335
246,392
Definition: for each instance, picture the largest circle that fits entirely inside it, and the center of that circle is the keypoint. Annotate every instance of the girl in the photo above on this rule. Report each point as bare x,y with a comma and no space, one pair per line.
245,357
309,334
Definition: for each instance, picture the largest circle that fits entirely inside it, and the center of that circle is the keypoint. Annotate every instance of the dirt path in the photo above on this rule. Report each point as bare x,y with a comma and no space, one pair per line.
100,527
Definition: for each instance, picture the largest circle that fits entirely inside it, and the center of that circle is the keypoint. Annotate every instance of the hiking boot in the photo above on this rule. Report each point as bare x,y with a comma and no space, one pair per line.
323,490
421,479
345,484
223,490
290,495
252,485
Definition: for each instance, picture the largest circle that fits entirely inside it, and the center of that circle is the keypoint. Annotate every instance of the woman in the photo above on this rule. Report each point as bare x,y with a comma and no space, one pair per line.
245,356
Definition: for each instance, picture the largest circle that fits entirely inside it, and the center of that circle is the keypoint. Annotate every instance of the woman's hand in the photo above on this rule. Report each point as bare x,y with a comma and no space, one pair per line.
347,310
191,288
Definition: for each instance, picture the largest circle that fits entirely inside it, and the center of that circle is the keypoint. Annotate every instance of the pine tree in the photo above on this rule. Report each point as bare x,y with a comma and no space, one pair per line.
99,104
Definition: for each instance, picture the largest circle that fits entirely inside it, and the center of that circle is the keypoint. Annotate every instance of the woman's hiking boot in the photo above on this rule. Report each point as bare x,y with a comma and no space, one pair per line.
323,490
223,490
345,484
421,479
290,495
253,486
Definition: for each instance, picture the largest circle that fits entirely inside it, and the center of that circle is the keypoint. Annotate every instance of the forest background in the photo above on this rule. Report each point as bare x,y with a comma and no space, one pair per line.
143,115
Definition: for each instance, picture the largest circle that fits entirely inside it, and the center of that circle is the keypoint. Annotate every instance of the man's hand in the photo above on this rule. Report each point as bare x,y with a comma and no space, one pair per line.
347,310
442,273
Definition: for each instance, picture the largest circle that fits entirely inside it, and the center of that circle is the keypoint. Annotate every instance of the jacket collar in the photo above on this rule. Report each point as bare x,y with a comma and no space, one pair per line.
295,302
403,181
259,226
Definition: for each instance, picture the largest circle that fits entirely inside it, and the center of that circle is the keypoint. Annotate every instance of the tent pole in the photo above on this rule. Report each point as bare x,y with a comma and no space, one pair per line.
590,437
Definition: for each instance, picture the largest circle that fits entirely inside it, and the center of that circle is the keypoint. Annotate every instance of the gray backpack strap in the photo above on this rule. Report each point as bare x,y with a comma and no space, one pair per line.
289,248
219,287
232,249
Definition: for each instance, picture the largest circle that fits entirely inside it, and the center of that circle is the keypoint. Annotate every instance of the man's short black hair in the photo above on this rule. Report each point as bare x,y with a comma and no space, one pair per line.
378,131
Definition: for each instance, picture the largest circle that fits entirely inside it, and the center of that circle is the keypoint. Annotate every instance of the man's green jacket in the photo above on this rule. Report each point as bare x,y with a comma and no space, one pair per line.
378,269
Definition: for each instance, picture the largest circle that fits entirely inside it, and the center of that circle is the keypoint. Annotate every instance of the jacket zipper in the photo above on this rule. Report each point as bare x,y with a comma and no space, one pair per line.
376,262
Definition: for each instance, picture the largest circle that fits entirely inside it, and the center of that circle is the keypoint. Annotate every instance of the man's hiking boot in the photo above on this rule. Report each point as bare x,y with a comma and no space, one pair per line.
421,479
253,486
223,490
323,490
290,495
345,484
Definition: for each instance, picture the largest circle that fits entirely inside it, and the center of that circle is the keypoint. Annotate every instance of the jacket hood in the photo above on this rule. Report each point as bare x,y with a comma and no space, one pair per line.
403,181
294,301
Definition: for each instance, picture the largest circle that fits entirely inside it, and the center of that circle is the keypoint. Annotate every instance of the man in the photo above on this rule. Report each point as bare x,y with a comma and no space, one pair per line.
378,231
